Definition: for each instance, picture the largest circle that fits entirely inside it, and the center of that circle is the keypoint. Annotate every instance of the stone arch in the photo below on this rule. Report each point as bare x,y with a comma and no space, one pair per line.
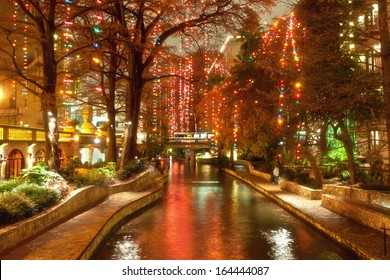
15,164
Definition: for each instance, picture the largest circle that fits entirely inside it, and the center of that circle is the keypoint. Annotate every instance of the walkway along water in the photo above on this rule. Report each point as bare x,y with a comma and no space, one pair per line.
364,241
79,237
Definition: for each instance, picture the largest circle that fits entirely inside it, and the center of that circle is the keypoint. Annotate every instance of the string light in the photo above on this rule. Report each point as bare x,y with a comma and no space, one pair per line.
289,60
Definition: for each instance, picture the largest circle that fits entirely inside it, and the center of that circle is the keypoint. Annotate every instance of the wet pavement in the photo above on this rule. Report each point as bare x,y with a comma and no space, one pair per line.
70,239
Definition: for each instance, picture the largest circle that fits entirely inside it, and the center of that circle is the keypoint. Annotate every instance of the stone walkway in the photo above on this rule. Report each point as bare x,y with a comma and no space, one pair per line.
78,237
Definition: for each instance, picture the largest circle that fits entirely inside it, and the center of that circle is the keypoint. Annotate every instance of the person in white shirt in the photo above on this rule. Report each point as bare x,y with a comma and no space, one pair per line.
275,175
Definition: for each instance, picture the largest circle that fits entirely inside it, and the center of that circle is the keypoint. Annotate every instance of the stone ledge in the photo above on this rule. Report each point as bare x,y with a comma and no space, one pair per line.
117,218
375,198
306,192
253,171
358,212
80,200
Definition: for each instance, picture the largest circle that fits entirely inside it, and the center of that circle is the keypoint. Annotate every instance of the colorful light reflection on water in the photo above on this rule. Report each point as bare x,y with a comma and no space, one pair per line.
208,215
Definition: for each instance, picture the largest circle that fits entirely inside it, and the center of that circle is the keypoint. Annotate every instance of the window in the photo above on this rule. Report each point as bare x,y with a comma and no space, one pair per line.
374,139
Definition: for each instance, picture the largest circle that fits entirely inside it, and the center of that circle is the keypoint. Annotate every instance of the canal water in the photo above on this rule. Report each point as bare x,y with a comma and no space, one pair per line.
208,215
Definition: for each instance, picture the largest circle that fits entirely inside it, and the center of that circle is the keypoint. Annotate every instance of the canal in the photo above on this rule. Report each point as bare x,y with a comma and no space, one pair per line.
208,215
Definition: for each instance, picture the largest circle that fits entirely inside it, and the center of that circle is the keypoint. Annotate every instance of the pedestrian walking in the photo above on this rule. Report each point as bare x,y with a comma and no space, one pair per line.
275,175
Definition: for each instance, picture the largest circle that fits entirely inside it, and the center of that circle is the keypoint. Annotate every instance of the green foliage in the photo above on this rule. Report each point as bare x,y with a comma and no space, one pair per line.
101,176
37,189
41,197
131,168
9,185
40,175
344,175
15,206
36,175
365,178
69,170
93,177
109,169
300,176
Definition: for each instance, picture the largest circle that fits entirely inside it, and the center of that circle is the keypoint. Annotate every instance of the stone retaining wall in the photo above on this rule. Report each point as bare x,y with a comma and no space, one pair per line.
309,193
117,218
80,200
368,207
284,184
360,195
253,171
366,216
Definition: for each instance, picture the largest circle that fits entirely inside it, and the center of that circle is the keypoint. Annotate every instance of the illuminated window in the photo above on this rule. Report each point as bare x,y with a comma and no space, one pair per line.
374,139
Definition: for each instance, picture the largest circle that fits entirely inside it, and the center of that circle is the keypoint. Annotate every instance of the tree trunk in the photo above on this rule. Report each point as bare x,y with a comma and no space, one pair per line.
314,167
385,56
133,105
49,101
111,111
345,138
231,162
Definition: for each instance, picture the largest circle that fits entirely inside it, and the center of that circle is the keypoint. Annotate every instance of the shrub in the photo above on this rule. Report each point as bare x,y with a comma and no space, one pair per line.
14,207
109,169
42,197
36,174
344,175
133,167
56,182
9,185
40,175
289,174
37,189
69,170
99,176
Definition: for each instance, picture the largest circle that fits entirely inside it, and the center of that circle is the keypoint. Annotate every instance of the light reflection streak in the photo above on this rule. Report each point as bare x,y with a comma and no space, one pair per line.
126,249
281,242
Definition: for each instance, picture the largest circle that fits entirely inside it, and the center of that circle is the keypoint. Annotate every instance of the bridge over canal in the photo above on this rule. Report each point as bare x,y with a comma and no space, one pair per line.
192,141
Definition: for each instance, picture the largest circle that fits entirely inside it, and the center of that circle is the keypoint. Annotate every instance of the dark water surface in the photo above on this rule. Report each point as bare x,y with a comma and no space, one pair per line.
208,215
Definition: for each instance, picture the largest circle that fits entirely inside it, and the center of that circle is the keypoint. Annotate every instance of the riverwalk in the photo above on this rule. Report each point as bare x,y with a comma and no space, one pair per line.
81,236
365,242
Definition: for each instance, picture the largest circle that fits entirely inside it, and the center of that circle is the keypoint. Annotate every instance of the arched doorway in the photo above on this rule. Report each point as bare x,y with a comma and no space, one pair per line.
15,163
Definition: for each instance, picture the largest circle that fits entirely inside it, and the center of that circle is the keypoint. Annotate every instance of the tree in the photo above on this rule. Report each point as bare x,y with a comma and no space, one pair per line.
42,19
45,21
254,90
102,74
147,25
336,90
385,56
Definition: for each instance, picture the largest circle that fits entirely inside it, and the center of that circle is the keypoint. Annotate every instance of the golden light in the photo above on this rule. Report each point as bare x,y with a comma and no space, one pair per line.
96,60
